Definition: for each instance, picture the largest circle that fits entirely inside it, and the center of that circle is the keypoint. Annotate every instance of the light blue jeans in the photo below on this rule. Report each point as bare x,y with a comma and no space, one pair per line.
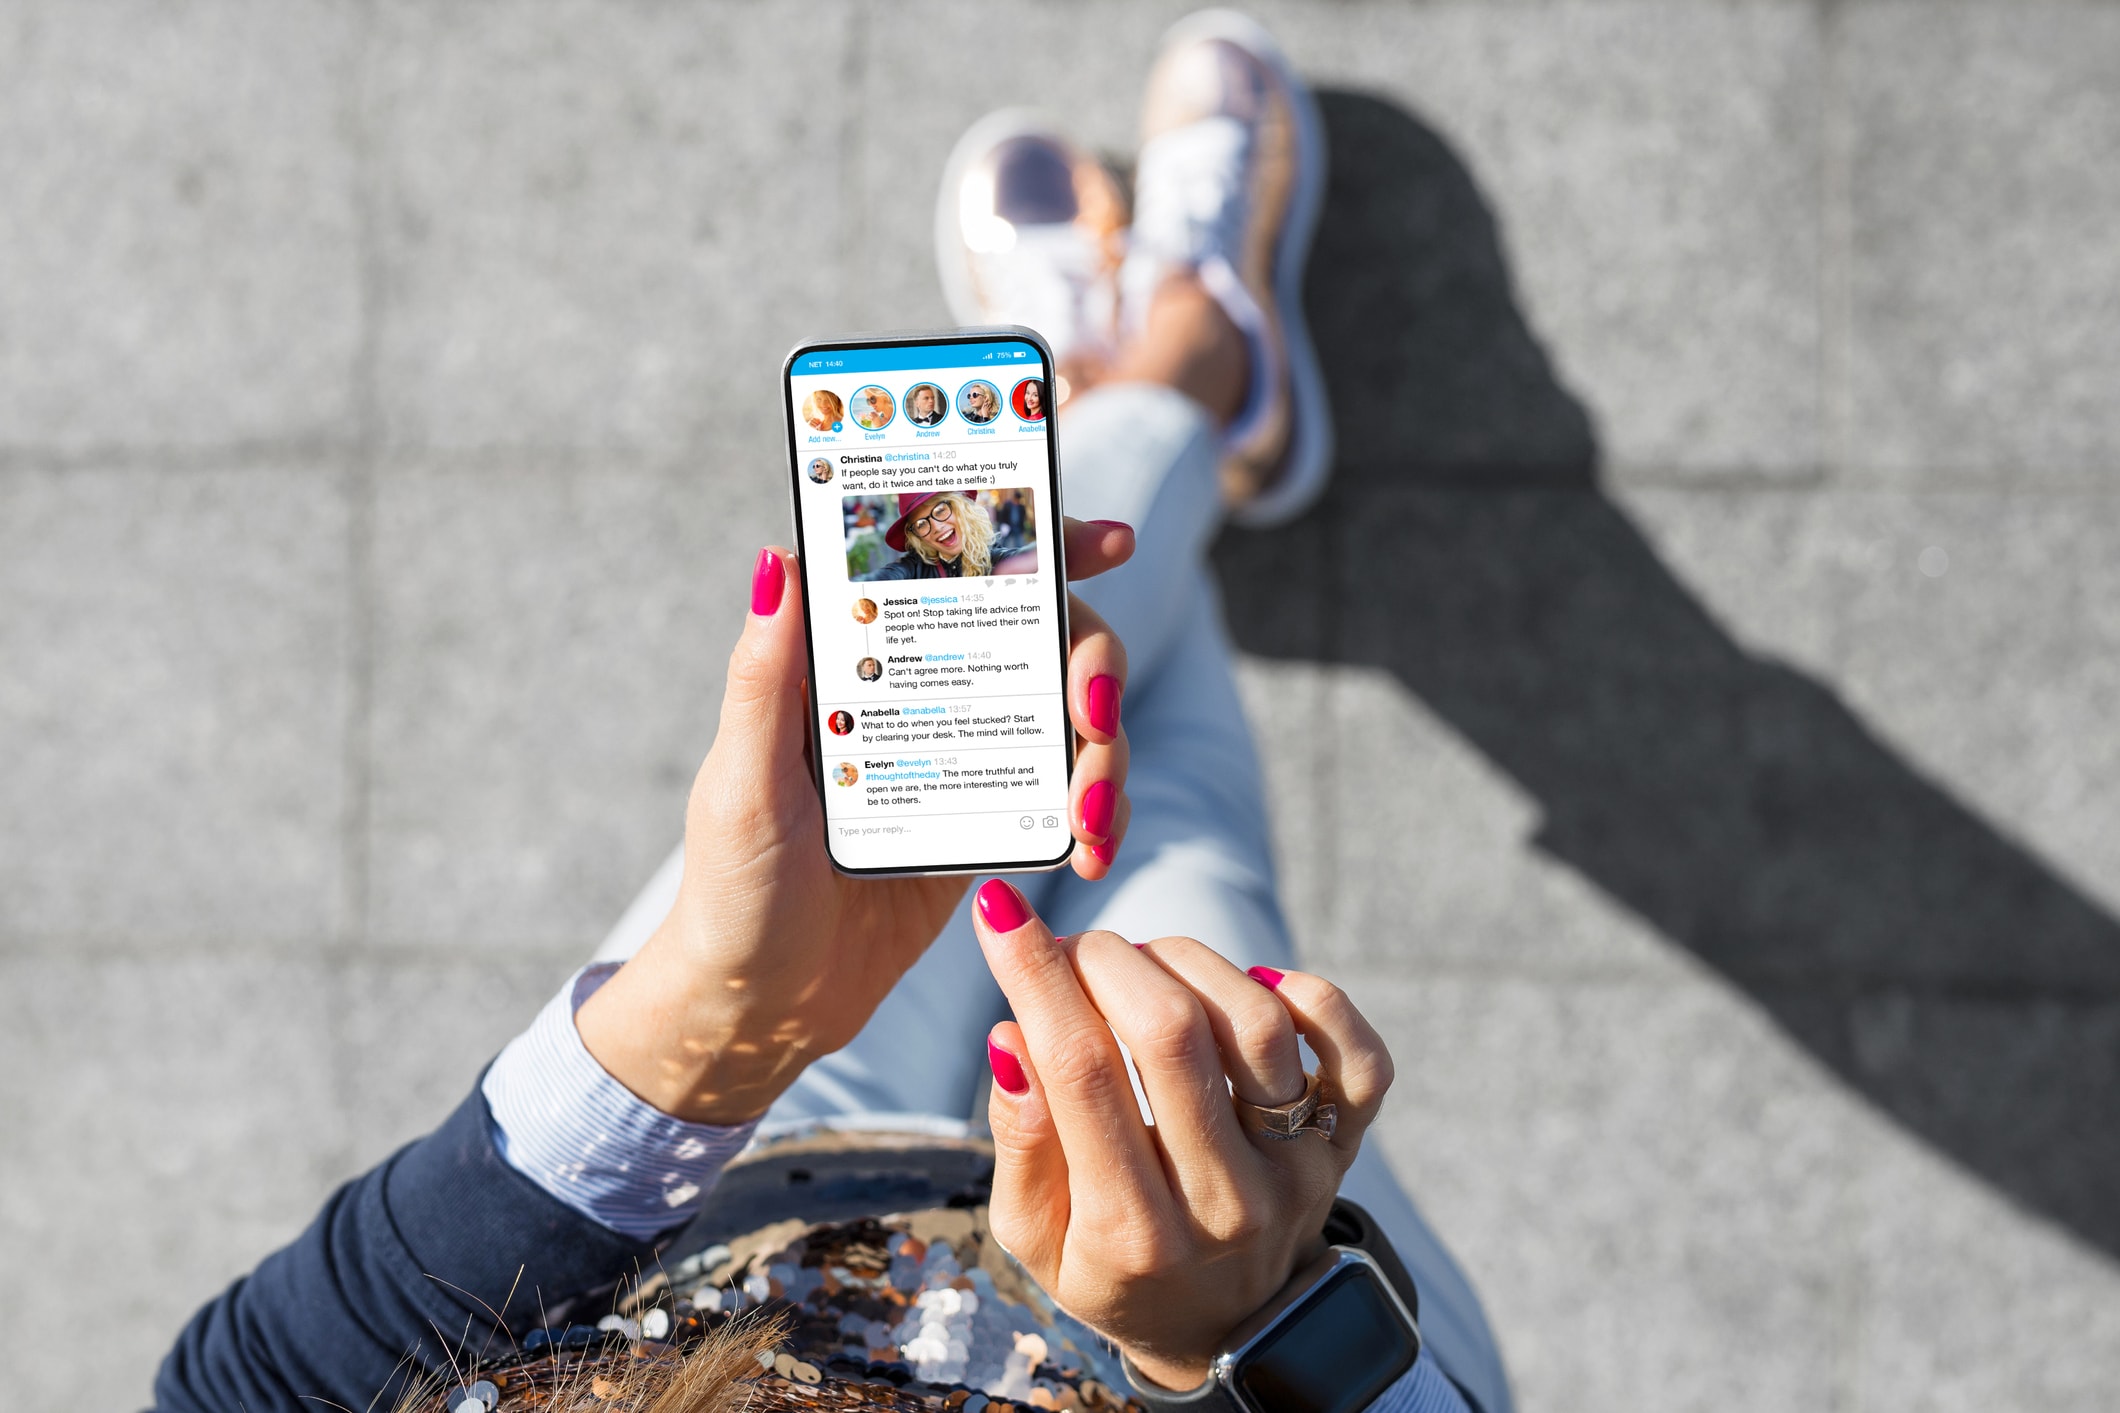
1196,860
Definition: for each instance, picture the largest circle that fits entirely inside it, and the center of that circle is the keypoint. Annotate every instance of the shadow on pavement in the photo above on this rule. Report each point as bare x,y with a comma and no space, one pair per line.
1734,804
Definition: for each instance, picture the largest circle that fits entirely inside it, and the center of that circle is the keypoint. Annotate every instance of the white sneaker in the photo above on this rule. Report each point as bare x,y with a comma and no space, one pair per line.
1229,183
1030,230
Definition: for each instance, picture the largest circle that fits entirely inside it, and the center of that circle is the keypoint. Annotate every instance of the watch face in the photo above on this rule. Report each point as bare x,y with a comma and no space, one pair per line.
1344,1345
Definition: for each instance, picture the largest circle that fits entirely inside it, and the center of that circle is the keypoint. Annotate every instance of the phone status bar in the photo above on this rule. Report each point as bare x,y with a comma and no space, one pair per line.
832,362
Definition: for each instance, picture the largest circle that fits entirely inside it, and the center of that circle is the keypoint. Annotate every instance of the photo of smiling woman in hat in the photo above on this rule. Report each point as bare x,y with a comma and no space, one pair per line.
939,535
951,534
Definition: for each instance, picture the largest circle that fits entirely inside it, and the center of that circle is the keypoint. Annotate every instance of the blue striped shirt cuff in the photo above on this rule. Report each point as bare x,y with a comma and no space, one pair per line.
593,1144
1421,1389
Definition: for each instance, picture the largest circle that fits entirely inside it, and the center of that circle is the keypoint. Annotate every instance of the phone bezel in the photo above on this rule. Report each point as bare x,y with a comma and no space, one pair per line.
990,333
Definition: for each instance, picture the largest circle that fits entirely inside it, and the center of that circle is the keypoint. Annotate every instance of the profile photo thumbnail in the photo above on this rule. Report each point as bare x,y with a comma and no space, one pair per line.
868,669
926,404
841,722
955,534
979,402
845,773
873,408
1029,399
864,610
821,469
823,411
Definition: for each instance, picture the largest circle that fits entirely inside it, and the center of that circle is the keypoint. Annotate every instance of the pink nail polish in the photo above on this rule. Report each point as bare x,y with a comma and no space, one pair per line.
1102,853
1002,906
1098,802
1008,1070
767,583
1113,524
1266,977
1104,704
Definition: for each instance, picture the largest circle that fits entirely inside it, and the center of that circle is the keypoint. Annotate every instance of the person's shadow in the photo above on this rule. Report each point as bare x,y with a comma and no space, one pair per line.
1734,804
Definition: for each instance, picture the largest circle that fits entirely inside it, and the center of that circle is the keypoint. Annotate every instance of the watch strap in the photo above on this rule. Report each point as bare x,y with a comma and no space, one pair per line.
1209,1397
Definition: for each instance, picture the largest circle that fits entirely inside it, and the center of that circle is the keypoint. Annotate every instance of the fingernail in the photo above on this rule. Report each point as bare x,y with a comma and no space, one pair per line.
1114,524
767,582
1098,802
1138,946
1266,977
1002,906
1104,704
1008,1070
1102,853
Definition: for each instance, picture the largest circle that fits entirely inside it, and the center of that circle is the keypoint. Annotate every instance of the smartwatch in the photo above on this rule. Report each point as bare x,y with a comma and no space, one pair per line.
1336,1336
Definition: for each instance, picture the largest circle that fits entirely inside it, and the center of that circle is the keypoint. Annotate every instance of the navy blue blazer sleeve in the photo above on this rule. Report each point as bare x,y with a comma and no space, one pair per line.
398,1269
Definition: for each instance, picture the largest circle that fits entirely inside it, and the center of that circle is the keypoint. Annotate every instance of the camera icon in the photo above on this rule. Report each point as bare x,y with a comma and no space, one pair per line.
1052,821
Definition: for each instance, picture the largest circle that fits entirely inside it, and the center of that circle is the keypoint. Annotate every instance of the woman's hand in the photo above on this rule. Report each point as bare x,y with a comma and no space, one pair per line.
1163,1238
771,957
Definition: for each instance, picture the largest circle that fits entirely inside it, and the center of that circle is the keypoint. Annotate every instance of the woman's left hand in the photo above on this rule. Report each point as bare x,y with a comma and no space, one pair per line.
1162,1237
772,958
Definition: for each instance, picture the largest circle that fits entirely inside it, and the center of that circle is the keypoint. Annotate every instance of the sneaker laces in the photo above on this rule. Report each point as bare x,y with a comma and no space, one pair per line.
1191,190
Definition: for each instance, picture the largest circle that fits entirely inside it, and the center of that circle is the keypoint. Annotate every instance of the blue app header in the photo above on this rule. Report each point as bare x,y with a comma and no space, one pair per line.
1000,353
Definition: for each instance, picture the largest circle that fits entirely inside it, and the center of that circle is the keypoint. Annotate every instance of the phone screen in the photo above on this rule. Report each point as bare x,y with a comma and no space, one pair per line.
927,510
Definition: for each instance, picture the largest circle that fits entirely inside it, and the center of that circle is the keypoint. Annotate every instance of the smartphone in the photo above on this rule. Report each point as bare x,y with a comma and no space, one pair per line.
926,481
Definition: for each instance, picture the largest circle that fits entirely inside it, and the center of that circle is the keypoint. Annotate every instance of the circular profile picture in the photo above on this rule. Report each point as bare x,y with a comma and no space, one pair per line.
1029,399
979,402
926,404
868,669
824,411
864,610
845,773
841,722
873,408
821,470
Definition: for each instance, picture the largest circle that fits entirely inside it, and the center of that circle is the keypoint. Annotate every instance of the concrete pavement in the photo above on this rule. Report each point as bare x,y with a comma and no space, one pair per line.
1688,717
